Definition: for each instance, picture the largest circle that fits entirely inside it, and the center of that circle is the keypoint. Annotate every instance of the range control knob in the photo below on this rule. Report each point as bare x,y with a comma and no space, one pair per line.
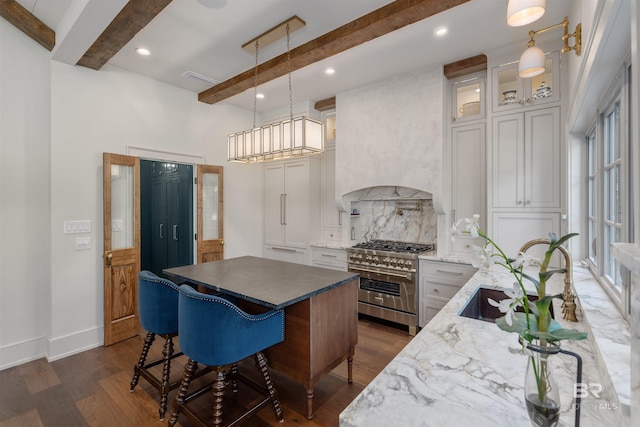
386,261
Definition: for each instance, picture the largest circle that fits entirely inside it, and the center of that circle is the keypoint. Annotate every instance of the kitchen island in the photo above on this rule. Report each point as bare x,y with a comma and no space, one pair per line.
459,371
321,313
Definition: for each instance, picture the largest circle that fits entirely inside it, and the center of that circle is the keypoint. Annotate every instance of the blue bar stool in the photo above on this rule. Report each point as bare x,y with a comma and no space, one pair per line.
158,310
217,333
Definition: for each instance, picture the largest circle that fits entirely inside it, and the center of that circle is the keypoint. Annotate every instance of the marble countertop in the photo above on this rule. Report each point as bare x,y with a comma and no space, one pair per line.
459,370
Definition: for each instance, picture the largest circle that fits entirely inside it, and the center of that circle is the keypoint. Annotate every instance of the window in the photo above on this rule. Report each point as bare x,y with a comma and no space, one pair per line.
591,196
607,189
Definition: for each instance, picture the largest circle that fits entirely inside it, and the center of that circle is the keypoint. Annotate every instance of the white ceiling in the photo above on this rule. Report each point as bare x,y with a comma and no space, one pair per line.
188,36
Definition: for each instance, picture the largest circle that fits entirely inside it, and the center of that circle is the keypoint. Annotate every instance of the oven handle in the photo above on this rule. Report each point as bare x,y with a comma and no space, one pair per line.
404,276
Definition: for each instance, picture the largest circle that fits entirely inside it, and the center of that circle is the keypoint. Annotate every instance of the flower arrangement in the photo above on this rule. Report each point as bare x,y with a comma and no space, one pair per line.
535,326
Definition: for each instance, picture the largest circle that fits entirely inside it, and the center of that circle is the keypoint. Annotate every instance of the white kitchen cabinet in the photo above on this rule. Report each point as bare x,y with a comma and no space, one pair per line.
526,160
333,258
331,218
468,183
512,229
292,208
511,92
439,282
467,98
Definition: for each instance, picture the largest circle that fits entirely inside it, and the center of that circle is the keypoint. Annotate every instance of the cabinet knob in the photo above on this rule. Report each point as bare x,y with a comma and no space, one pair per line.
520,101
528,202
519,202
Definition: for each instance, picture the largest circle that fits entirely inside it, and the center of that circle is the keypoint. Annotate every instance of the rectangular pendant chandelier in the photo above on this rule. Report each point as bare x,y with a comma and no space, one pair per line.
294,137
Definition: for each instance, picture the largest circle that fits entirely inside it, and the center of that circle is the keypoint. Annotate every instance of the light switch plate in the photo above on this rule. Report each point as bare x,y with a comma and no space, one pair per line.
83,243
74,227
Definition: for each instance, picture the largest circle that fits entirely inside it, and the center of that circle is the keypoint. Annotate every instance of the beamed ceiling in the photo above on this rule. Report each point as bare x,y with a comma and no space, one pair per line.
364,40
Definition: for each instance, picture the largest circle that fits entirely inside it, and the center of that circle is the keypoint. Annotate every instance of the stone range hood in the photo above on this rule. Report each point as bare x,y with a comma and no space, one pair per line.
390,135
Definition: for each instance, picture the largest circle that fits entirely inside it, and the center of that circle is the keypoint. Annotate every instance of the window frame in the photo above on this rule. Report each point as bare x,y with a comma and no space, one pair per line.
603,264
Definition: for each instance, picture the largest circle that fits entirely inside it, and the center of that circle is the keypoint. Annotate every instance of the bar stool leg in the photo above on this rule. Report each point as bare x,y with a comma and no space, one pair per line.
263,367
218,394
189,370
148,340
167,352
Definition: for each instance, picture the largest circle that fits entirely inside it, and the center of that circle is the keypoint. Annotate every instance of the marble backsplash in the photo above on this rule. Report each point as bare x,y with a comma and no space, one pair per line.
396,220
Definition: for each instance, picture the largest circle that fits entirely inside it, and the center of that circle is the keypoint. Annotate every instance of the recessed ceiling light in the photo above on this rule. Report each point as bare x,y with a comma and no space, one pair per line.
330,71
143,51
259,95
439,32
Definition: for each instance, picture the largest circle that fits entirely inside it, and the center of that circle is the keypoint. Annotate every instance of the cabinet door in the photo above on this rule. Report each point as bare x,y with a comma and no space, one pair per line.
273,204
508,161
512,230
542,158
296,204
468,179
510,92
507,88
468,159
330,213
467,98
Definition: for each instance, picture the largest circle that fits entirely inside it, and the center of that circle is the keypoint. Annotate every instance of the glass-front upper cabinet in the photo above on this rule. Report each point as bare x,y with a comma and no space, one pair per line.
330,126
512,92
467,97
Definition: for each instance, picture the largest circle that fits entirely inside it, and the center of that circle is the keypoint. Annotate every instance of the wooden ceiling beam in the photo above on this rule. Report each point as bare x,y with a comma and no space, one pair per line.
22,19
133,17
368,27
325,104
465,66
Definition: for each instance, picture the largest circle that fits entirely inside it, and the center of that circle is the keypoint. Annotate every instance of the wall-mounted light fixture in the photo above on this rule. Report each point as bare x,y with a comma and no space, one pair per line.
523,12
532,62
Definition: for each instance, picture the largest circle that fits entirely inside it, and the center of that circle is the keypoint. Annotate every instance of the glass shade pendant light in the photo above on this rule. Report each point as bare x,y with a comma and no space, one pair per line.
292,137
532,62
523,12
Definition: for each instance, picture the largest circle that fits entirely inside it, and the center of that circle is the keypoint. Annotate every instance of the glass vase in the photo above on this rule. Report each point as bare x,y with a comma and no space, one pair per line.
541,388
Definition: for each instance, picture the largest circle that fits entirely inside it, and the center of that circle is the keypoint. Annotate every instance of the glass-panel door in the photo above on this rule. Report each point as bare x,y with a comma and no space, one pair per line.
468,98
121,213
210,213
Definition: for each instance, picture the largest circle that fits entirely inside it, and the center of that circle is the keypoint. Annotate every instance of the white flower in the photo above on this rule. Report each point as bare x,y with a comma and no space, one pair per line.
483,257
471,226
508,305
524,260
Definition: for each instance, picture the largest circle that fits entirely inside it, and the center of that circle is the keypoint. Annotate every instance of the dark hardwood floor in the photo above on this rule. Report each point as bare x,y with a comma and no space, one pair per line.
92,388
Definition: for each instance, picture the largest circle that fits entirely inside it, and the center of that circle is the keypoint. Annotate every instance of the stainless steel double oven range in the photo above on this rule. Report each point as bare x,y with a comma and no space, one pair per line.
388,279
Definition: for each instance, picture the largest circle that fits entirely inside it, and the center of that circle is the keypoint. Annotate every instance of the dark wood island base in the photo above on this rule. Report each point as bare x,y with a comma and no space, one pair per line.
320,333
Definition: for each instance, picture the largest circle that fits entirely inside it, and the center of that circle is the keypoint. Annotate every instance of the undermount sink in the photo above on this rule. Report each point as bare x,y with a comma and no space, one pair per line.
477,307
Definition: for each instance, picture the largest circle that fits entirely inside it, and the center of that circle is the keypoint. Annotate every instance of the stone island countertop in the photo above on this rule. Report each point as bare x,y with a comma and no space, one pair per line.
459,371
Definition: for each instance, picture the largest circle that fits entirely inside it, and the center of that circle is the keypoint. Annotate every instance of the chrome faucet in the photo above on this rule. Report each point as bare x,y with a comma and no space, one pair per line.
568,298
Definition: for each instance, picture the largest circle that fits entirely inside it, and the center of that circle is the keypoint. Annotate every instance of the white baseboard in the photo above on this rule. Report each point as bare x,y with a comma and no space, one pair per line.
61,347
22,352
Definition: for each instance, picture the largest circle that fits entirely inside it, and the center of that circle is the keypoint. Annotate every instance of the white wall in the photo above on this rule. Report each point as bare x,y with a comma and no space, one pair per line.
106,111
56,121
24,196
